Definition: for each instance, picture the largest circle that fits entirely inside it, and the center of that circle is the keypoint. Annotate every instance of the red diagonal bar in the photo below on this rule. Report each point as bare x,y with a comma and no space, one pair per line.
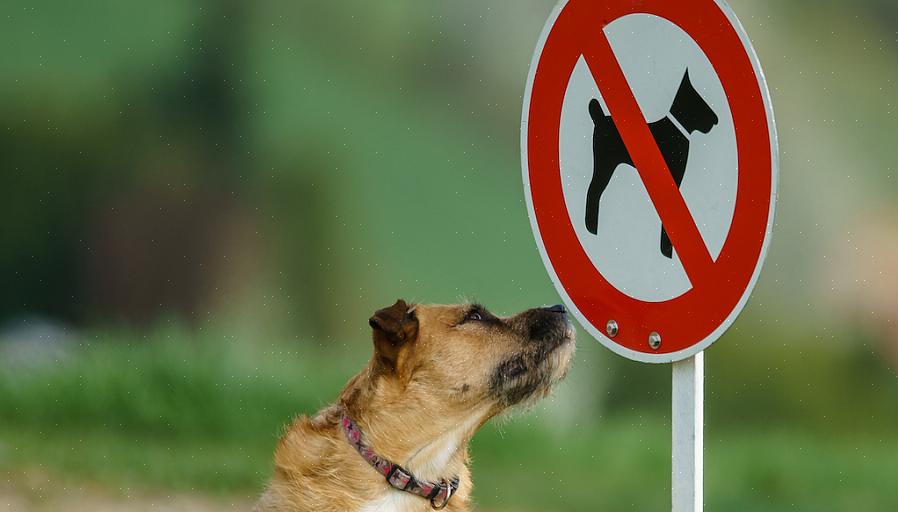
634,130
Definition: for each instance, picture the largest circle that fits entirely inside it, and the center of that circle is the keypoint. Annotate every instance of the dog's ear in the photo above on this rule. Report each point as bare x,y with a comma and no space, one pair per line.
595,110
686,82
393,328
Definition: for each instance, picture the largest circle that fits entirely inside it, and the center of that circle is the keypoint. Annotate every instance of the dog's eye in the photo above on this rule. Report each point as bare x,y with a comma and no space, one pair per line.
477,313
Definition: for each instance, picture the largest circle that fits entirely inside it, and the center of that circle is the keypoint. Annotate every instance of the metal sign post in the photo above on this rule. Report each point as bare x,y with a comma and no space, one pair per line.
687,422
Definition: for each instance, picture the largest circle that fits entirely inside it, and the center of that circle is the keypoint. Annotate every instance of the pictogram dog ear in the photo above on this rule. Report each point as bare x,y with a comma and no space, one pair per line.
595,111
393,328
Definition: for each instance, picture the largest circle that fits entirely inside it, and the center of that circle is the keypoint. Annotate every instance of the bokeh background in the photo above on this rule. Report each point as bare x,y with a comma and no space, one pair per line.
202,202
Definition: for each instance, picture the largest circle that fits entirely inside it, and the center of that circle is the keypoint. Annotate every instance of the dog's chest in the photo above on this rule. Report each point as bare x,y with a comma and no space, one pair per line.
395,501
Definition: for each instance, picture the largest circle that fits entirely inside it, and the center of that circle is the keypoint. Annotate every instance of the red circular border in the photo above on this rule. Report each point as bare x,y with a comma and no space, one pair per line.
688,319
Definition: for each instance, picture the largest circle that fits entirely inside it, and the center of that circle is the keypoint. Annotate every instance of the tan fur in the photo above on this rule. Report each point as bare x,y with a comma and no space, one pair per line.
431,383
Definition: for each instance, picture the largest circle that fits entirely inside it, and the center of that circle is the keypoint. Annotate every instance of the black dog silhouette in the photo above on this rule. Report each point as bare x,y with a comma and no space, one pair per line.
609,151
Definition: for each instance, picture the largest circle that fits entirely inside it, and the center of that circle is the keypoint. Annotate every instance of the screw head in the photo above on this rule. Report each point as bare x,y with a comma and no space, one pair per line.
655,341
611,328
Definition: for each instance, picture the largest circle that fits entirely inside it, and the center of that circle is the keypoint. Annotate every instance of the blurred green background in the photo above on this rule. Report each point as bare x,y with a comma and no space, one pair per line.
202,203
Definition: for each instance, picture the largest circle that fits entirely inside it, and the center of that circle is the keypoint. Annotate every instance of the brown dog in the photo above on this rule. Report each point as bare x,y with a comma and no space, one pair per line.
438,373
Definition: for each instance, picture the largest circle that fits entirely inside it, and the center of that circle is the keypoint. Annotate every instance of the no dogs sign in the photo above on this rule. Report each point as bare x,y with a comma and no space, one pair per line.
650,167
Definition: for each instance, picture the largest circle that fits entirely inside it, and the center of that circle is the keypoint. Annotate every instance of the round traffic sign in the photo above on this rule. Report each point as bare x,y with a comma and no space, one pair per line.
650,167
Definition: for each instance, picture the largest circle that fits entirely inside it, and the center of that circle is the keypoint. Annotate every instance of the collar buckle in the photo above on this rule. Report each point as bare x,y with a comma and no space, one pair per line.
399,477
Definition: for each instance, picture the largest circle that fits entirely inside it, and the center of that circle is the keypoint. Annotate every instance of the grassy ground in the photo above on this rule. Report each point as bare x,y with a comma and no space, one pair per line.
40,491
180,418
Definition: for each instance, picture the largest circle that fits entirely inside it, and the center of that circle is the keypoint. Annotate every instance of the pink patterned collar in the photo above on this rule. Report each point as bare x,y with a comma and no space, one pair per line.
397,476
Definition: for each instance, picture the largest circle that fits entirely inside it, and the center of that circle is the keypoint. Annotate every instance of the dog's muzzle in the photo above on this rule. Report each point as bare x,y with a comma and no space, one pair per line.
539,364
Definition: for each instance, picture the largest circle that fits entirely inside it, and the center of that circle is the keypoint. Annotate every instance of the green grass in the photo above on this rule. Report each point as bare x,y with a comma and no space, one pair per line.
182,414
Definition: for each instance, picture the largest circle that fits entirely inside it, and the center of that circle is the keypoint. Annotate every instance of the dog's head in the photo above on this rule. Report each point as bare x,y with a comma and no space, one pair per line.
463,356
691,110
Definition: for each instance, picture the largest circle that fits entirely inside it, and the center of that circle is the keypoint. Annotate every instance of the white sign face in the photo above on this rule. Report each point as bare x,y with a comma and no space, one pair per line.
654,55
649,159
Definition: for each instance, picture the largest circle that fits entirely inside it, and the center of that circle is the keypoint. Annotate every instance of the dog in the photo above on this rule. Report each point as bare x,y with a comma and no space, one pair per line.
688,113
397,437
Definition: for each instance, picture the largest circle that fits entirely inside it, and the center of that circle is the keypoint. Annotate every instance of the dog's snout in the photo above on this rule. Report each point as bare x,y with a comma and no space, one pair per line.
557,308
546,324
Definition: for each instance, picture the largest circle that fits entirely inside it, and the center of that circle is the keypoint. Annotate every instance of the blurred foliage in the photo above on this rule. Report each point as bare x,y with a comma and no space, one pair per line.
308,179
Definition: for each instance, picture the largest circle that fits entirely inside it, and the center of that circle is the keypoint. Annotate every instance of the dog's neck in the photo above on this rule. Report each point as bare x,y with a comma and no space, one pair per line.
424,438
444,454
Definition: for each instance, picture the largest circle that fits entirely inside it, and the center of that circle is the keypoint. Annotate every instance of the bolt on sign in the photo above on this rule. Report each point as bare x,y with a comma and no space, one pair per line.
649,160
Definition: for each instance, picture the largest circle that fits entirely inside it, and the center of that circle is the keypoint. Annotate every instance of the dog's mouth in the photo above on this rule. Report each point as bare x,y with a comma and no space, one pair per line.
531,373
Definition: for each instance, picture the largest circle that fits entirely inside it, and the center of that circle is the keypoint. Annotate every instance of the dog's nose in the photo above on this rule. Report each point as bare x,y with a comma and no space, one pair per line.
557,308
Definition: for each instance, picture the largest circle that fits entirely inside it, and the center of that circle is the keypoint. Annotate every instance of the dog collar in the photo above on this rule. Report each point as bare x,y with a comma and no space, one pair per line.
397,476
678,125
